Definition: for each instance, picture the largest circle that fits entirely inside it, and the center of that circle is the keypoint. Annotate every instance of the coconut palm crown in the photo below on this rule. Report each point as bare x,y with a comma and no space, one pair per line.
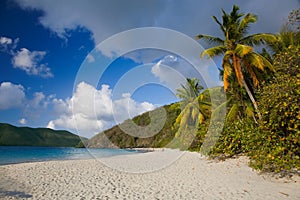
237,50
194,107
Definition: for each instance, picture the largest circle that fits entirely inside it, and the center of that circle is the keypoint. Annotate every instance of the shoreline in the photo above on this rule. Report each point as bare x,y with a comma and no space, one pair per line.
85,154
188,176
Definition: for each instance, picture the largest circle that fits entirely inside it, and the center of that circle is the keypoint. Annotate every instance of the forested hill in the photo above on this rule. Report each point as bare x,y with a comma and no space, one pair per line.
116,137
25,136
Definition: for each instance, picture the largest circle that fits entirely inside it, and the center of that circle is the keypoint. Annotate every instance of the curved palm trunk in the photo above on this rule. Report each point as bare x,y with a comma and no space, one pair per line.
252,100
242,82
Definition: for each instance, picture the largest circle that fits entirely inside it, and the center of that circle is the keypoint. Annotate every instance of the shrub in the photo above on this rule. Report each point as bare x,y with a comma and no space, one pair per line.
279,128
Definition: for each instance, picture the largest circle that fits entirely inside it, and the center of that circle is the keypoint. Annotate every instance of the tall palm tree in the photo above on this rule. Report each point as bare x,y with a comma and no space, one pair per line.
287,37
237,50
194,108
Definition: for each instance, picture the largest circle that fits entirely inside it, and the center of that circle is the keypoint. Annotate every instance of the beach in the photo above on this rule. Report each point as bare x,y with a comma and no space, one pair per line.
161,174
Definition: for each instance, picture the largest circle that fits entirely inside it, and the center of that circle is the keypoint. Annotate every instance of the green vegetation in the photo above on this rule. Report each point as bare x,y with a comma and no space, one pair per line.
25,136
272,142
195,108
237,51
279,127
116,137
262,101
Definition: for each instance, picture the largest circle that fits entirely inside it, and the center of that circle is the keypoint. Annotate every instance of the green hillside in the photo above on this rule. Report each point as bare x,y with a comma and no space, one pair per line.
116,137
25,136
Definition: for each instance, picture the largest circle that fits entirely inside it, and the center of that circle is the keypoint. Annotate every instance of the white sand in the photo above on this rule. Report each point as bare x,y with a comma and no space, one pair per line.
189,177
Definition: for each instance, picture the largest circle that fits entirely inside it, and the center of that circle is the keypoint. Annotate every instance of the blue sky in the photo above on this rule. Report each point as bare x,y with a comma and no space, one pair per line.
52,54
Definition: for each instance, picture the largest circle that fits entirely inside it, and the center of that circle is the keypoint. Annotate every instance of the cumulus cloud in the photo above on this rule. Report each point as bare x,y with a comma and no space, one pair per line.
190,17
37,105
23,121
91,111
11,96
97,16
24,59
5,41
170,71
15,96
7,44
173,71
30,63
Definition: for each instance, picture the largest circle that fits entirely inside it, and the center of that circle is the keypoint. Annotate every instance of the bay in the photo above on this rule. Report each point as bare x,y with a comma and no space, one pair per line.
21,154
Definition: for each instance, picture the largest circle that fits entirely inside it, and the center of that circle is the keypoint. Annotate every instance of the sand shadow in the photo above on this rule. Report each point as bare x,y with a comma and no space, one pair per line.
17,194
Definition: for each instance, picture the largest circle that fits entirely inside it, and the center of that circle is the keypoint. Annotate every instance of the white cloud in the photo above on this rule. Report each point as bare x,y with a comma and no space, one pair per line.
90,58
37,105
189,16
11,95
169,71
51,125
23,121
97,16
91,111
14,96
5,41
30,63
126,108
7,44
173,71
24,59
146,55
39,100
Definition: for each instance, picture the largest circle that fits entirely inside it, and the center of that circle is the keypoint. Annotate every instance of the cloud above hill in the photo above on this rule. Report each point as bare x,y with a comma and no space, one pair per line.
91,110
11,95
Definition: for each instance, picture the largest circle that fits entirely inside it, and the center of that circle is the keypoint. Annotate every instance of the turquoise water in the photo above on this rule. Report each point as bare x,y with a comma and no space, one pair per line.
21,154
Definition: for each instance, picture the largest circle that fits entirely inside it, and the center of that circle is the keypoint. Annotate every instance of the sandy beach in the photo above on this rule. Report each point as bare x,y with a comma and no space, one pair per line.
162,174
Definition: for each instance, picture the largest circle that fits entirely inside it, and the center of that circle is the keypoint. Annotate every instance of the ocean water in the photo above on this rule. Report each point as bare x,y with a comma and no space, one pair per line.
21,154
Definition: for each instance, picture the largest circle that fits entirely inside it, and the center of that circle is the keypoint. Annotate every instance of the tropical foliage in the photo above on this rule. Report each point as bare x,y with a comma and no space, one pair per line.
194,110
274,145
289,34
280,106
239,58
24,136
272,142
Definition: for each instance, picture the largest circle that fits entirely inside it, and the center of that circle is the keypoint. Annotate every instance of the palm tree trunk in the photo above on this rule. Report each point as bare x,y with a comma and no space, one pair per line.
242,82
251,98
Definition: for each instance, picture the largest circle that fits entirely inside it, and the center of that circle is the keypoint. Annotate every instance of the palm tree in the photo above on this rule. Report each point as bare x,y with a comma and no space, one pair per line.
237,50
289,34
194,108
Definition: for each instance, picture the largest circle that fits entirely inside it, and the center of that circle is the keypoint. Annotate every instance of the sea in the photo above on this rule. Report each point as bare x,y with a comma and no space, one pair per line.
22,154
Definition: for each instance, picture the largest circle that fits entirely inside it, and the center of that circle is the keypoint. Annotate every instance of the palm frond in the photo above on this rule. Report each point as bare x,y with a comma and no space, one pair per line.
219,23
227,72
267,63
259,38
253,75
220,110
235,15
194,114
243,50
259,61
232,112
210,39
201,118
213,51
244,25
226,20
